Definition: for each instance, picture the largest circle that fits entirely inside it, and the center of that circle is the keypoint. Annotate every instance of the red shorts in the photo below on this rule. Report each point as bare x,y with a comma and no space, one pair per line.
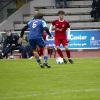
59,41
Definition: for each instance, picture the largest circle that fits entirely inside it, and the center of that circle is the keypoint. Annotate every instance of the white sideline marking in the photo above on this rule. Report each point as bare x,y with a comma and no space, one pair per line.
50,92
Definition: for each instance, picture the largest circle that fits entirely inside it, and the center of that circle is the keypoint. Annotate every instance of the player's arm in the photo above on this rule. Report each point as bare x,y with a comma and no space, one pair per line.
23,30
51,27
47,31
68,31
46,28
68,36
22,33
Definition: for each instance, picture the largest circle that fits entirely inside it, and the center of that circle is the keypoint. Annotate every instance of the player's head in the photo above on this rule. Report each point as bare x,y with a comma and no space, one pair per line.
38,16
36,11
61,14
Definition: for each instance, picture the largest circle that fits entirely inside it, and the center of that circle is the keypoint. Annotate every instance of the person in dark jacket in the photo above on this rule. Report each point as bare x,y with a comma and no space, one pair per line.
11,43
95,13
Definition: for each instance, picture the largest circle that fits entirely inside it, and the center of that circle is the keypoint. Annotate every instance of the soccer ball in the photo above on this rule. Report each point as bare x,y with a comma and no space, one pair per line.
59,60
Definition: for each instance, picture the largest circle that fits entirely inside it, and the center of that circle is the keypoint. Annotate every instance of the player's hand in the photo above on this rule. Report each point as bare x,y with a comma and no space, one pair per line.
20,40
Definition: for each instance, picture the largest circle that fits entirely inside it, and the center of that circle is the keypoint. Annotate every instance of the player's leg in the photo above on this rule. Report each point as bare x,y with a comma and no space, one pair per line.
61,54
45,52
36,55
42,44
68,54
40,51
65,44
57,43
33,44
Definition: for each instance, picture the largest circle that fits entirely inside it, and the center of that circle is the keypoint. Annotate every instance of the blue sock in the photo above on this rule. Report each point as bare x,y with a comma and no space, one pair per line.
45,59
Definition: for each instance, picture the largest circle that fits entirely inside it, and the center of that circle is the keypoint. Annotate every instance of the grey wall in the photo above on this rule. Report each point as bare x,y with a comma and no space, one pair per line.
26,9
17,16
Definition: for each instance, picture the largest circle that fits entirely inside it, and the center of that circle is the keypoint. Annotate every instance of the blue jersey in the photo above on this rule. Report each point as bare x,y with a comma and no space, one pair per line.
36,28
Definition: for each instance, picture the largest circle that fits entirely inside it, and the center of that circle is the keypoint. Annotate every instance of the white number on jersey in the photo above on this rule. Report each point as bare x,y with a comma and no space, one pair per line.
34,25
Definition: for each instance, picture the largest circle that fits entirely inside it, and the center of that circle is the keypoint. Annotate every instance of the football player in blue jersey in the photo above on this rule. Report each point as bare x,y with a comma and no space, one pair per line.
36,28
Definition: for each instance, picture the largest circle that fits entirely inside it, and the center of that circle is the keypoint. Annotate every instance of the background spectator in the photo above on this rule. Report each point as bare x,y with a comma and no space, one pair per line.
58,3
11,43
95,13
61,3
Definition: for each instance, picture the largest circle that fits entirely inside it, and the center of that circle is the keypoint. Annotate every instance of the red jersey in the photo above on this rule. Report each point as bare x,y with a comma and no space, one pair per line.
60,28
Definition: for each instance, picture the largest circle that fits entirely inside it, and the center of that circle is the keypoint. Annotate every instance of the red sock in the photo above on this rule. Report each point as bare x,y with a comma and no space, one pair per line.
68,53
40,52
60,53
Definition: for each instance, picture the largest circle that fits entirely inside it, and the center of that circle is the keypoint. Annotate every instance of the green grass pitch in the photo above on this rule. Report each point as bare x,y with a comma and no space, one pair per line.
25,80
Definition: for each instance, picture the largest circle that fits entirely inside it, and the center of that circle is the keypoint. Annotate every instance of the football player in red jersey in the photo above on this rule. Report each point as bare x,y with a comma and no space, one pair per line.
60,26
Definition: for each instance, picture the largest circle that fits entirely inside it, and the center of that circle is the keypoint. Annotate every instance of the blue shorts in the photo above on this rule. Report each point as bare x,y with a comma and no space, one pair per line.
37,42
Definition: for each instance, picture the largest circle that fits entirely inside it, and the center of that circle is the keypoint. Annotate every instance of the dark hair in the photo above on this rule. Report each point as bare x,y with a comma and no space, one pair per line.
38,16
61,12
